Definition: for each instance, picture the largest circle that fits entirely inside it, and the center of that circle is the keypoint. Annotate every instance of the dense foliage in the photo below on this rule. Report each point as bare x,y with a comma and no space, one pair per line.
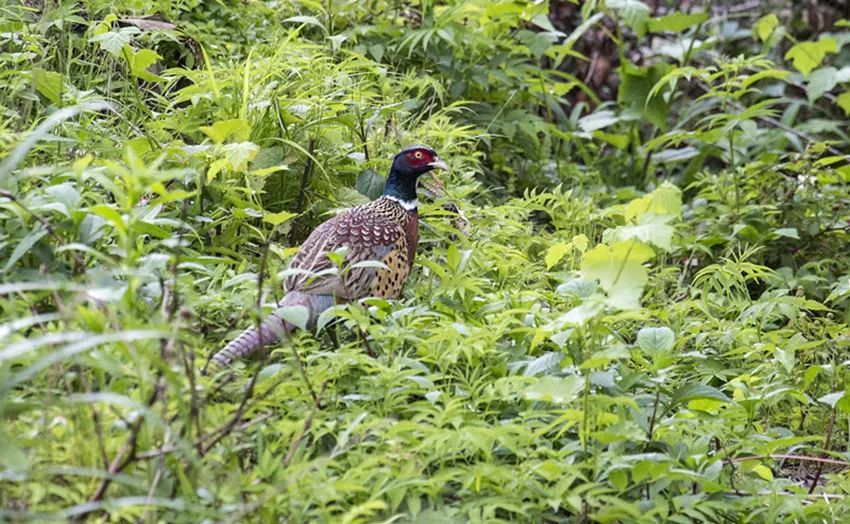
646,318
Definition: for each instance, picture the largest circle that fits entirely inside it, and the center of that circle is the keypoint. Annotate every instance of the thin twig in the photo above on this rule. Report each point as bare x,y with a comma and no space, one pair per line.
826,444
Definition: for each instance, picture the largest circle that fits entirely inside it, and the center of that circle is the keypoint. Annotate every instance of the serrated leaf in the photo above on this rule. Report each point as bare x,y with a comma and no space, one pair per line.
806,56
141,61
113,42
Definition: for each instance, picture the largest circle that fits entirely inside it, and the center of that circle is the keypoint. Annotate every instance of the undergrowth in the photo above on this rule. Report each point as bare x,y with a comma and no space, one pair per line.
645,320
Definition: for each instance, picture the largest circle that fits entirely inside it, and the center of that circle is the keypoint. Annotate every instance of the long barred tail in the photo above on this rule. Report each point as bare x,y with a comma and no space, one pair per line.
249,341
273,328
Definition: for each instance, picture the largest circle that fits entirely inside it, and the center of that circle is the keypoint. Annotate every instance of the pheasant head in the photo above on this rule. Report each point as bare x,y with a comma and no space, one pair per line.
408,165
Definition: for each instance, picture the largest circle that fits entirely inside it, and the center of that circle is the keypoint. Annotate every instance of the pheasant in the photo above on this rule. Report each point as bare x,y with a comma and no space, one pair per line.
384,230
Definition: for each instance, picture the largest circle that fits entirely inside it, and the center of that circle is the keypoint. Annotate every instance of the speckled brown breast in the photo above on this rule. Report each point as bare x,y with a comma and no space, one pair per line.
389,282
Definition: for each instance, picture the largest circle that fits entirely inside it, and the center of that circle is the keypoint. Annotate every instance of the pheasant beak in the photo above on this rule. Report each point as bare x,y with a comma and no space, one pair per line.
439,164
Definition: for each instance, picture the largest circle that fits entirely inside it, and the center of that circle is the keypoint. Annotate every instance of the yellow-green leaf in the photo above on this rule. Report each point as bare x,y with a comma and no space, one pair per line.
665,200
235,129
843,102
277,218
765,25
555,253
808,55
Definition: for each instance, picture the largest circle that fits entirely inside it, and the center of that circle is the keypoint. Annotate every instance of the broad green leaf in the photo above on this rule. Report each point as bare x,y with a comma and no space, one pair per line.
239,154
141,61
619,269
48,84
555,253
296,315
638,94
113,42
559,390
543,363
234,129
650,229
653,340
277,218
821,81
764,26
806,56
665,200
370,184
676,22
597,120
788,232
690,392
580,242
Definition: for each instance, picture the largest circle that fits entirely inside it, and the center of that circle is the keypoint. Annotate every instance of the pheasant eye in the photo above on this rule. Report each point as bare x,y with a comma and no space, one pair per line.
417,155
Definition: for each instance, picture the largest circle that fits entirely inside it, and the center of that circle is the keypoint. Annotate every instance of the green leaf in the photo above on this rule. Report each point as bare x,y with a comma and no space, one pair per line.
636,92
808,55
676,22
821,81
48,84
650,229
764,26
788,232
555,253
597,120
559,390
235,129
276,219
141,60
619,270
656,340
665,200
843,102
296,315
633,12
113,42
692,391
24,245
239,154
370,184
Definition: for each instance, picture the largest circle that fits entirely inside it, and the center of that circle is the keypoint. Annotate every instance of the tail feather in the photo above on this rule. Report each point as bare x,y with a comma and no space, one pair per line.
271,329
249,341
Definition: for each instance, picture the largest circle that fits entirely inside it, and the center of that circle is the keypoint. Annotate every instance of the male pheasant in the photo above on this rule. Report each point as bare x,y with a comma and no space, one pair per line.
384,230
